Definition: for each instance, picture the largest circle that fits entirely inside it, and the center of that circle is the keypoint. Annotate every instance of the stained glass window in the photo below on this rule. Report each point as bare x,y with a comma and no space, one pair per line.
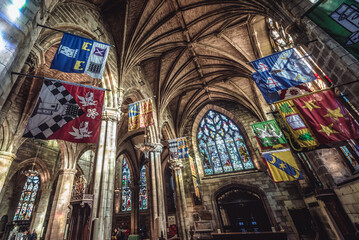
126,191
221,145
143,189
350,157
27,199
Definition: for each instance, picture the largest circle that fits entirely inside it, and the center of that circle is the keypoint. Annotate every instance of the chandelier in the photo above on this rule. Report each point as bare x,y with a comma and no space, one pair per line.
147,147
32,172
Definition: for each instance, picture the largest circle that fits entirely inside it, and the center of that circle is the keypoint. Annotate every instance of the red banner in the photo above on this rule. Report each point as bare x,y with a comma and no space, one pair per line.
68,112
327,117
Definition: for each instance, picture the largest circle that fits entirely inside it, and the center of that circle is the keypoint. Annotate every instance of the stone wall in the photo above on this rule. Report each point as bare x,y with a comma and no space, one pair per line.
349,197
279,197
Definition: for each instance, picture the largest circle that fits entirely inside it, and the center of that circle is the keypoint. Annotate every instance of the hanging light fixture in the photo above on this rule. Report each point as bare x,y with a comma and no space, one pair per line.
147,147
32,172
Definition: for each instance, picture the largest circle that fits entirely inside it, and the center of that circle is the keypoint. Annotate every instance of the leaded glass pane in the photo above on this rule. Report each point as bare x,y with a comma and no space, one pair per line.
221,145
27,199
126,191
143,189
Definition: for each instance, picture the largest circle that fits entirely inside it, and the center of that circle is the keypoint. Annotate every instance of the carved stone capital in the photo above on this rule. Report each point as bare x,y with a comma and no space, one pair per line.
111,114
176,164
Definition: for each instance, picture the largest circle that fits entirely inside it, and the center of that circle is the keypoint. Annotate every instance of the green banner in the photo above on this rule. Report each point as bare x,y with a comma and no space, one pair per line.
340,19
268,133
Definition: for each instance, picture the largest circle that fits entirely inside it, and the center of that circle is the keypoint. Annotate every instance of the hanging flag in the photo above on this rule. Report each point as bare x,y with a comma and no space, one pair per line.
182,148
194,179
339,18
282,70
134,116
146,113
66,111
282,166
268,133
327,117
77,54
173,145
299,129
271,95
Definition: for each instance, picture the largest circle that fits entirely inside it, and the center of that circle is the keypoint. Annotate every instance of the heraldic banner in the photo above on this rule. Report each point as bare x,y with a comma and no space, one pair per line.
77,54
279,71
327,117
146,113
282,166
134,116
339,18
66,111
296,124
268,133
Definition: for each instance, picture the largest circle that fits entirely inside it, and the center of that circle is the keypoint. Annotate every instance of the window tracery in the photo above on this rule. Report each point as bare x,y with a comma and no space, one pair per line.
143,189
126,191
221,145
27,199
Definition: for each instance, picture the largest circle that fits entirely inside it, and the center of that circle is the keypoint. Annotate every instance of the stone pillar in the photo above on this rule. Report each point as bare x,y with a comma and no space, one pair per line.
39,216
5,163
61,202
135,210
181,205
105,175
158,205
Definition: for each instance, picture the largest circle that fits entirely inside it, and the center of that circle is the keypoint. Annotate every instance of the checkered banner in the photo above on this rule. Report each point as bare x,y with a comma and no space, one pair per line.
66,111
173,149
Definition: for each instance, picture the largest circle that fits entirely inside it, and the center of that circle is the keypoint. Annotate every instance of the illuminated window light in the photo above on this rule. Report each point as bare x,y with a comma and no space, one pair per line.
19,3
13,12
2,42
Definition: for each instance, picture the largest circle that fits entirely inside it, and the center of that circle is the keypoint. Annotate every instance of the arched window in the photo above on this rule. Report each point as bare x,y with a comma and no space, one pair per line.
27,199
143,189
126,191
221,145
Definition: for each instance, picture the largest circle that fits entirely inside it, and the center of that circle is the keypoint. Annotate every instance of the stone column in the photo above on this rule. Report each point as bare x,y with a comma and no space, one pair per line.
39,216
105,176
135,211
6,159
158,205
58,216
181,206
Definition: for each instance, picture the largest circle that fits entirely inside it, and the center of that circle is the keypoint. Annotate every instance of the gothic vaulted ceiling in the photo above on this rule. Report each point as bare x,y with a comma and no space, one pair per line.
192,52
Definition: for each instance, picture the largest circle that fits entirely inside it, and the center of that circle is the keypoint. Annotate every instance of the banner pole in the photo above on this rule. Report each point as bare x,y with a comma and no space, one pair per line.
71,83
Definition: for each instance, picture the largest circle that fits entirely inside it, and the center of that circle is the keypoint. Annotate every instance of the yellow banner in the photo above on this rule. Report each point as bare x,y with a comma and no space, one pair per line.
296,124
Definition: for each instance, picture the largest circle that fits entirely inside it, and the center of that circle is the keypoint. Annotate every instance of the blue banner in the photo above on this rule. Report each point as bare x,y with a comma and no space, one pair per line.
283,70
80,55
268,93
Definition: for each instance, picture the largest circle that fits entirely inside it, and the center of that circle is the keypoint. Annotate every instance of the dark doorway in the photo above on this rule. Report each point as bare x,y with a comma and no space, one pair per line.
242,211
